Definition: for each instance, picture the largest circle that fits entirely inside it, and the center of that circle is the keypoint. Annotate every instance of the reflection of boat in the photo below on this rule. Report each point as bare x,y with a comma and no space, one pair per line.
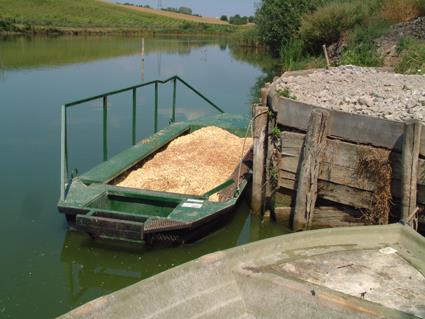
97,268
93,204
361,272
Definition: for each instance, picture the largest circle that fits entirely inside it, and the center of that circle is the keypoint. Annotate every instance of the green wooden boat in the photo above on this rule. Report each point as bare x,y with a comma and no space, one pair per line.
94,205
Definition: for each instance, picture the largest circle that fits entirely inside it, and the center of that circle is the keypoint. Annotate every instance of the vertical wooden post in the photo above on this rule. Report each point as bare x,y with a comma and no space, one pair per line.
314,144
270,167
264,94
325,52
410,159
260,135
143,60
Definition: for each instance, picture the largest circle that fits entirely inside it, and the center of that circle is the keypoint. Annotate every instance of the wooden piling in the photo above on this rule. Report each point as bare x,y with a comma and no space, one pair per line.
314,144
325,52
410,159
271,166
143,61
260,114
264,94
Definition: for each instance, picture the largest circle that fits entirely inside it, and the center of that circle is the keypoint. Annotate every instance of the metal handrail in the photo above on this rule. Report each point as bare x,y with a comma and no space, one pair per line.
104,97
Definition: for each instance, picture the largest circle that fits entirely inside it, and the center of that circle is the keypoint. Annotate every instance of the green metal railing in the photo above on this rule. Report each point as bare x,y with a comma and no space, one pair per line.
104,97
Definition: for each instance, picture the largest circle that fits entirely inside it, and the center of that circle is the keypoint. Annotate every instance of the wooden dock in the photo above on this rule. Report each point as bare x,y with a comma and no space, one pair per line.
334,168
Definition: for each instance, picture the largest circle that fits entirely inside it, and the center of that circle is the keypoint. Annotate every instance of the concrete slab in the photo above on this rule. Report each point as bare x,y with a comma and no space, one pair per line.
267,279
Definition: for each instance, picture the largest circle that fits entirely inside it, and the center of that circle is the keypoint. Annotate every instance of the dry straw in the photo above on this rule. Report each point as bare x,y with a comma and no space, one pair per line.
191,164
374,167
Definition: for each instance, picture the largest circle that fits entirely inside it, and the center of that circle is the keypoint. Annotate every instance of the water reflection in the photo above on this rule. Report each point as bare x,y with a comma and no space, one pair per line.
108,266
261,59
30,52
39,75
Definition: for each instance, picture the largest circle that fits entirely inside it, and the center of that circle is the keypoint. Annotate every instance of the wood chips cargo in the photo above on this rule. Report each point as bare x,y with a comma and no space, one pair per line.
191,164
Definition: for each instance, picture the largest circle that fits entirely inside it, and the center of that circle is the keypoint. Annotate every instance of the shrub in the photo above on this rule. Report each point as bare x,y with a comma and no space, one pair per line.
412,56
361,47
292,53
238,20
326,24
247,37
402,10
278,21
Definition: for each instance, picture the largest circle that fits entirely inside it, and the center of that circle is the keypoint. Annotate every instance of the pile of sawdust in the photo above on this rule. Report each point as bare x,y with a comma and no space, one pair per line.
192,164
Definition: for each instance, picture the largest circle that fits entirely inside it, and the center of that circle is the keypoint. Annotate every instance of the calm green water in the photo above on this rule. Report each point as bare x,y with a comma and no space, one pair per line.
45,269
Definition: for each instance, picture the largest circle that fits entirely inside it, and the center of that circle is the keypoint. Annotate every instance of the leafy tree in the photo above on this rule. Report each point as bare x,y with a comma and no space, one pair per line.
238,20
278,20
224,18
185,10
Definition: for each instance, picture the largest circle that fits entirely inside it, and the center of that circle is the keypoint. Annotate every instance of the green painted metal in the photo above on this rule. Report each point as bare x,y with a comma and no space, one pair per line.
134,116
201,95
219,188
110,228
64,157
121,213
96,97
105,128
104,96
173,116
112,168
156,108
136,206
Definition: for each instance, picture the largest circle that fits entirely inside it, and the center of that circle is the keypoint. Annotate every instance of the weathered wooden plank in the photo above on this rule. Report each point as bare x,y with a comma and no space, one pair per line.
259,161
334,192
332,173
410,155
339,156
345,194
350,127
324,217
315,141
339,164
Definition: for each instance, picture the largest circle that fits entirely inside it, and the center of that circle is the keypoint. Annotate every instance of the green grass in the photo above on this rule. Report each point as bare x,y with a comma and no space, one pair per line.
361,48
327,24
18,52
248,37
412,53
356,24
30,14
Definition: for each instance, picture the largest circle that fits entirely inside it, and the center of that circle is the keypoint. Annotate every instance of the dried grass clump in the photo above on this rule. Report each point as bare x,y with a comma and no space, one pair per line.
192,164
375,167
396,11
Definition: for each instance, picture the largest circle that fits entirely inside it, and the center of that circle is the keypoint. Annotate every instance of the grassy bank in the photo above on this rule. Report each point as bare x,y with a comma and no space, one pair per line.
92,16
352,27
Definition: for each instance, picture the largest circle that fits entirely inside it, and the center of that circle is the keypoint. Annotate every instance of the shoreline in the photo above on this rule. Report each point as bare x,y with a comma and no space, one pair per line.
71,31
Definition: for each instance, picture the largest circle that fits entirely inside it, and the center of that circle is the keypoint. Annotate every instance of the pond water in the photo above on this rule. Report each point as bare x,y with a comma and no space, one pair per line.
47,270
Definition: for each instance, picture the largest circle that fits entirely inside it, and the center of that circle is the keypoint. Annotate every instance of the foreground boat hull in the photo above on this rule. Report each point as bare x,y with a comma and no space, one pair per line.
248,281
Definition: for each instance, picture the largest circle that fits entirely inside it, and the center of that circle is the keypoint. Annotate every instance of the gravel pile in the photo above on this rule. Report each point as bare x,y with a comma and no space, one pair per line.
360,90
415,28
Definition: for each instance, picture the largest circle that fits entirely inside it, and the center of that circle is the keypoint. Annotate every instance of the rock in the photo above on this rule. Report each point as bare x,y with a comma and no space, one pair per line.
365,101
361,90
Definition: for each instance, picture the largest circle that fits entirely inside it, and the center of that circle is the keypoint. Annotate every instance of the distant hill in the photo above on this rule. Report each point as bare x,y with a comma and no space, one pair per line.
177,15
95,16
